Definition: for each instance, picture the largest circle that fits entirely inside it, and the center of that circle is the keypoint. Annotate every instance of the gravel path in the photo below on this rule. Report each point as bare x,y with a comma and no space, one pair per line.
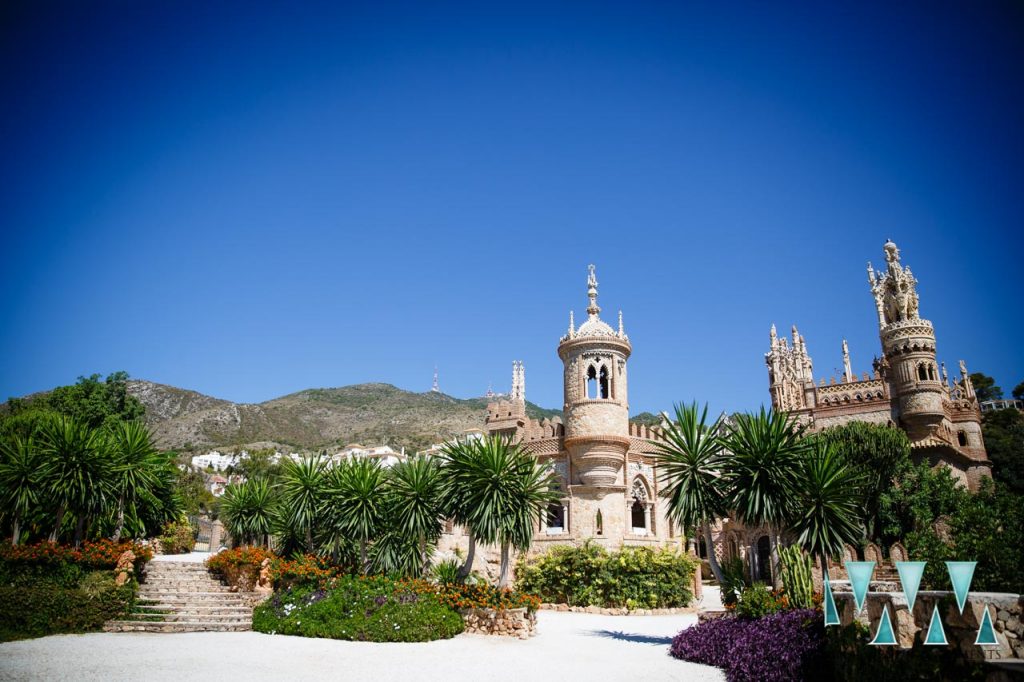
568,646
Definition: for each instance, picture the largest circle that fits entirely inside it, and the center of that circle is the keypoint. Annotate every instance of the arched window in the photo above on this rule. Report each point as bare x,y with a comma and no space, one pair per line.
556,517
961,437
931,372
591,382
638,511
604,383
599,523
764,559
922,373
637,516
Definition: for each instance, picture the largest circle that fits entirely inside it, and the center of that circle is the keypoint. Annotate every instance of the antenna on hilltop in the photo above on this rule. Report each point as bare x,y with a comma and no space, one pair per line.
435,388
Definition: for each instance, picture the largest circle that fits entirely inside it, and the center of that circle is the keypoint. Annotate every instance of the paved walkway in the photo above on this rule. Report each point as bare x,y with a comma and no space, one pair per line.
568,646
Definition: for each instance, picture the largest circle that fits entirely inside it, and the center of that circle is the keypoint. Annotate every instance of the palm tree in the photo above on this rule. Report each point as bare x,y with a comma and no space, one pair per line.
302,495
460,460
765,451
136,464
356,495
19,479
689,462
75,472
248,510
828,502
504,493
413,492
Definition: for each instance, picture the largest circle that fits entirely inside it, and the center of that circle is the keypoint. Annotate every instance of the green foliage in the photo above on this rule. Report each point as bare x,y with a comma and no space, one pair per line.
94,402
355,503
446,572
260,463
35,608
878,453
20,480
796,577
1004,441
358,609
985,387
248,511
734,580
757,601
301,497
588,575
177,538
413,496
1018,391
826,502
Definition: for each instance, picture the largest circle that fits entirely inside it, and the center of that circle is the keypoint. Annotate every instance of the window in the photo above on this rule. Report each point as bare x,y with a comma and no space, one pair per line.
931,372
591,382
922,373
556,517
637,513
599,523
764,559
604,383
961,437
702,548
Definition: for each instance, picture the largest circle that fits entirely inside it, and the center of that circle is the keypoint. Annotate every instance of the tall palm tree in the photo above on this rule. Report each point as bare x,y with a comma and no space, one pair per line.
828,502
19,480
136,464
459,461
302,495
535,487
75,472
248,510
765,451
689,462
413,492
356,496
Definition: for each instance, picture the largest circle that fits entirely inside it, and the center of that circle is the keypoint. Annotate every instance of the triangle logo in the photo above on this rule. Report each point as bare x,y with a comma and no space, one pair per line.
936,635
910,579
884,636
986,633
960,574
831,613
860,576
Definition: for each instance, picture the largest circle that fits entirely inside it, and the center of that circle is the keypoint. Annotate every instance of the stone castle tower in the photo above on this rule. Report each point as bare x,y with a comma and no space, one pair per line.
604,464
907,388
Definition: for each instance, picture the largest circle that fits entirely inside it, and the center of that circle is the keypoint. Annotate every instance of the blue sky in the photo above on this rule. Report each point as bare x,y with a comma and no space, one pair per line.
250,200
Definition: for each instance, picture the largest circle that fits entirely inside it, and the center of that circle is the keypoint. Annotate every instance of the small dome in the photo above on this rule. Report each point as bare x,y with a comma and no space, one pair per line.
595,326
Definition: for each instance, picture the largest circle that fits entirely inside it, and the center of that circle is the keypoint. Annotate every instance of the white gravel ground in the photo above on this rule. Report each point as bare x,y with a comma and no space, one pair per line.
568,646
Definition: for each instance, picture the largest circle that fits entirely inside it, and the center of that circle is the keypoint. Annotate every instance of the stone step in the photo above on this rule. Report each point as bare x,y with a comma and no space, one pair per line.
181,626
164,609
193,618
191,597
186,585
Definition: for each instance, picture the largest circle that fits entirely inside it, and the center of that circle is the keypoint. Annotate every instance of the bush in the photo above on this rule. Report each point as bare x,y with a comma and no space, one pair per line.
734,580
446,572
239,567
177,538
484,596
781,647
46,608
758,601
360,609
91,555
588,575
305,571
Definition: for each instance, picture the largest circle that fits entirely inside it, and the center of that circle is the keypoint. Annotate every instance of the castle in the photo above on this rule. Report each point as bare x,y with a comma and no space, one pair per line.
604,464
906,388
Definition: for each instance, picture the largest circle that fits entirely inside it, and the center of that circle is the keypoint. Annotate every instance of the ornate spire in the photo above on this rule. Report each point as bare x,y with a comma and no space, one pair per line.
572,326
518,382
593,309
773,336
622,332
847,369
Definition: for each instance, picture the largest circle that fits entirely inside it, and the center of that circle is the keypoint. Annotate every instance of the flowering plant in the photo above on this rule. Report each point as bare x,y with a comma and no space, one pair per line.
92,554
239,567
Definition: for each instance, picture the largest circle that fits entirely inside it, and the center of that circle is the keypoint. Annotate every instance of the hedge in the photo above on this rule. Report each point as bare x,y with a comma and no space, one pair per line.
46,608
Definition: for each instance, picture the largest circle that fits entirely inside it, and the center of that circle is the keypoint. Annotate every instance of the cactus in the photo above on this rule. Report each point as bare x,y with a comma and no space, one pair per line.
796,577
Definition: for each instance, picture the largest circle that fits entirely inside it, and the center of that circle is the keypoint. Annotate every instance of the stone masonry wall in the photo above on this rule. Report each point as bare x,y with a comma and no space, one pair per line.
504,622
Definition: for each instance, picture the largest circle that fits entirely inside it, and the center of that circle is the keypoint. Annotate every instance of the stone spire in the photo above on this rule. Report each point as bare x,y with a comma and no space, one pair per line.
593,309
847,370
622,332
518,382
572,326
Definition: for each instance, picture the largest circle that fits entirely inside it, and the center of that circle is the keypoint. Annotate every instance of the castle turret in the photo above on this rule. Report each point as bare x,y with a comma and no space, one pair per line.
596,402
908,344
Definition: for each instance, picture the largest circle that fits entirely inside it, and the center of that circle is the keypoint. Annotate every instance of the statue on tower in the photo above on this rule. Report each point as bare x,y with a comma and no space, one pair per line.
895,291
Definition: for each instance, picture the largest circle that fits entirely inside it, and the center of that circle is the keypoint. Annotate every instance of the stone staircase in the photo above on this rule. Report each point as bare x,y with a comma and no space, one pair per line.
180,596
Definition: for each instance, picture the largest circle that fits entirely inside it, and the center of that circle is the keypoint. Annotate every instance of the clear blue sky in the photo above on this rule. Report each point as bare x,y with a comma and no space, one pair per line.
250,200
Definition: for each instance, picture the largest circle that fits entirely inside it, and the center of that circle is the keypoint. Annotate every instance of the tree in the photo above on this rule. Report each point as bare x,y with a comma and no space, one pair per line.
689,462
1018,391
302,489
1003,431
19,480
136,463
413,494
94,402
355,495
826,509
534,489
76,478
248,510
761,470
985,387
460,462
879,453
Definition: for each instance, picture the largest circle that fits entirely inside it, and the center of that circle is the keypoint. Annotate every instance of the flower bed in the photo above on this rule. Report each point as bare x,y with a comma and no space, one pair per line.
98,554
370,609
240,567
781,647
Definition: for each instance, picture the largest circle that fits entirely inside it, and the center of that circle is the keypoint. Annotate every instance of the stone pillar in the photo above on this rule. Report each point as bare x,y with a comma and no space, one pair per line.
216,534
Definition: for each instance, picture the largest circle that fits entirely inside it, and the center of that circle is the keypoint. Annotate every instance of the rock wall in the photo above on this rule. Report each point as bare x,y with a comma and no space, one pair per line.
961,629
504,622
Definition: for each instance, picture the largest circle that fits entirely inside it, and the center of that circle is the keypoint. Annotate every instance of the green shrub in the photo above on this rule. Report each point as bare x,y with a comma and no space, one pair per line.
359,609
46,608
177,538
734,580
758,601
588,575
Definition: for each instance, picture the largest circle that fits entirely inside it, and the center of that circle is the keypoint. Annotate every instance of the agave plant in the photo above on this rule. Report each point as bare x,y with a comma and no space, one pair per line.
355,509
689,462
19,480
248,510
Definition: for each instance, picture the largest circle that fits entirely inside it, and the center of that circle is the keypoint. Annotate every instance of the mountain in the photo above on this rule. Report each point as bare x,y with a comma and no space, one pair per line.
311,419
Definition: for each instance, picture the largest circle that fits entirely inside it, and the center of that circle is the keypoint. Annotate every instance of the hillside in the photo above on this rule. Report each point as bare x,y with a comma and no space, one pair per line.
311,419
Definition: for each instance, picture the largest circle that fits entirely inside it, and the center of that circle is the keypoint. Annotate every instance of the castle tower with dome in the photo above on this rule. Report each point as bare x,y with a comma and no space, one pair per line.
604,464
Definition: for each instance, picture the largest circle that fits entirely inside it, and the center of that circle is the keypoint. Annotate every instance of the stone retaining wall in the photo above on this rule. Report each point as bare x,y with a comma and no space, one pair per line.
618,611
961,630
505,622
